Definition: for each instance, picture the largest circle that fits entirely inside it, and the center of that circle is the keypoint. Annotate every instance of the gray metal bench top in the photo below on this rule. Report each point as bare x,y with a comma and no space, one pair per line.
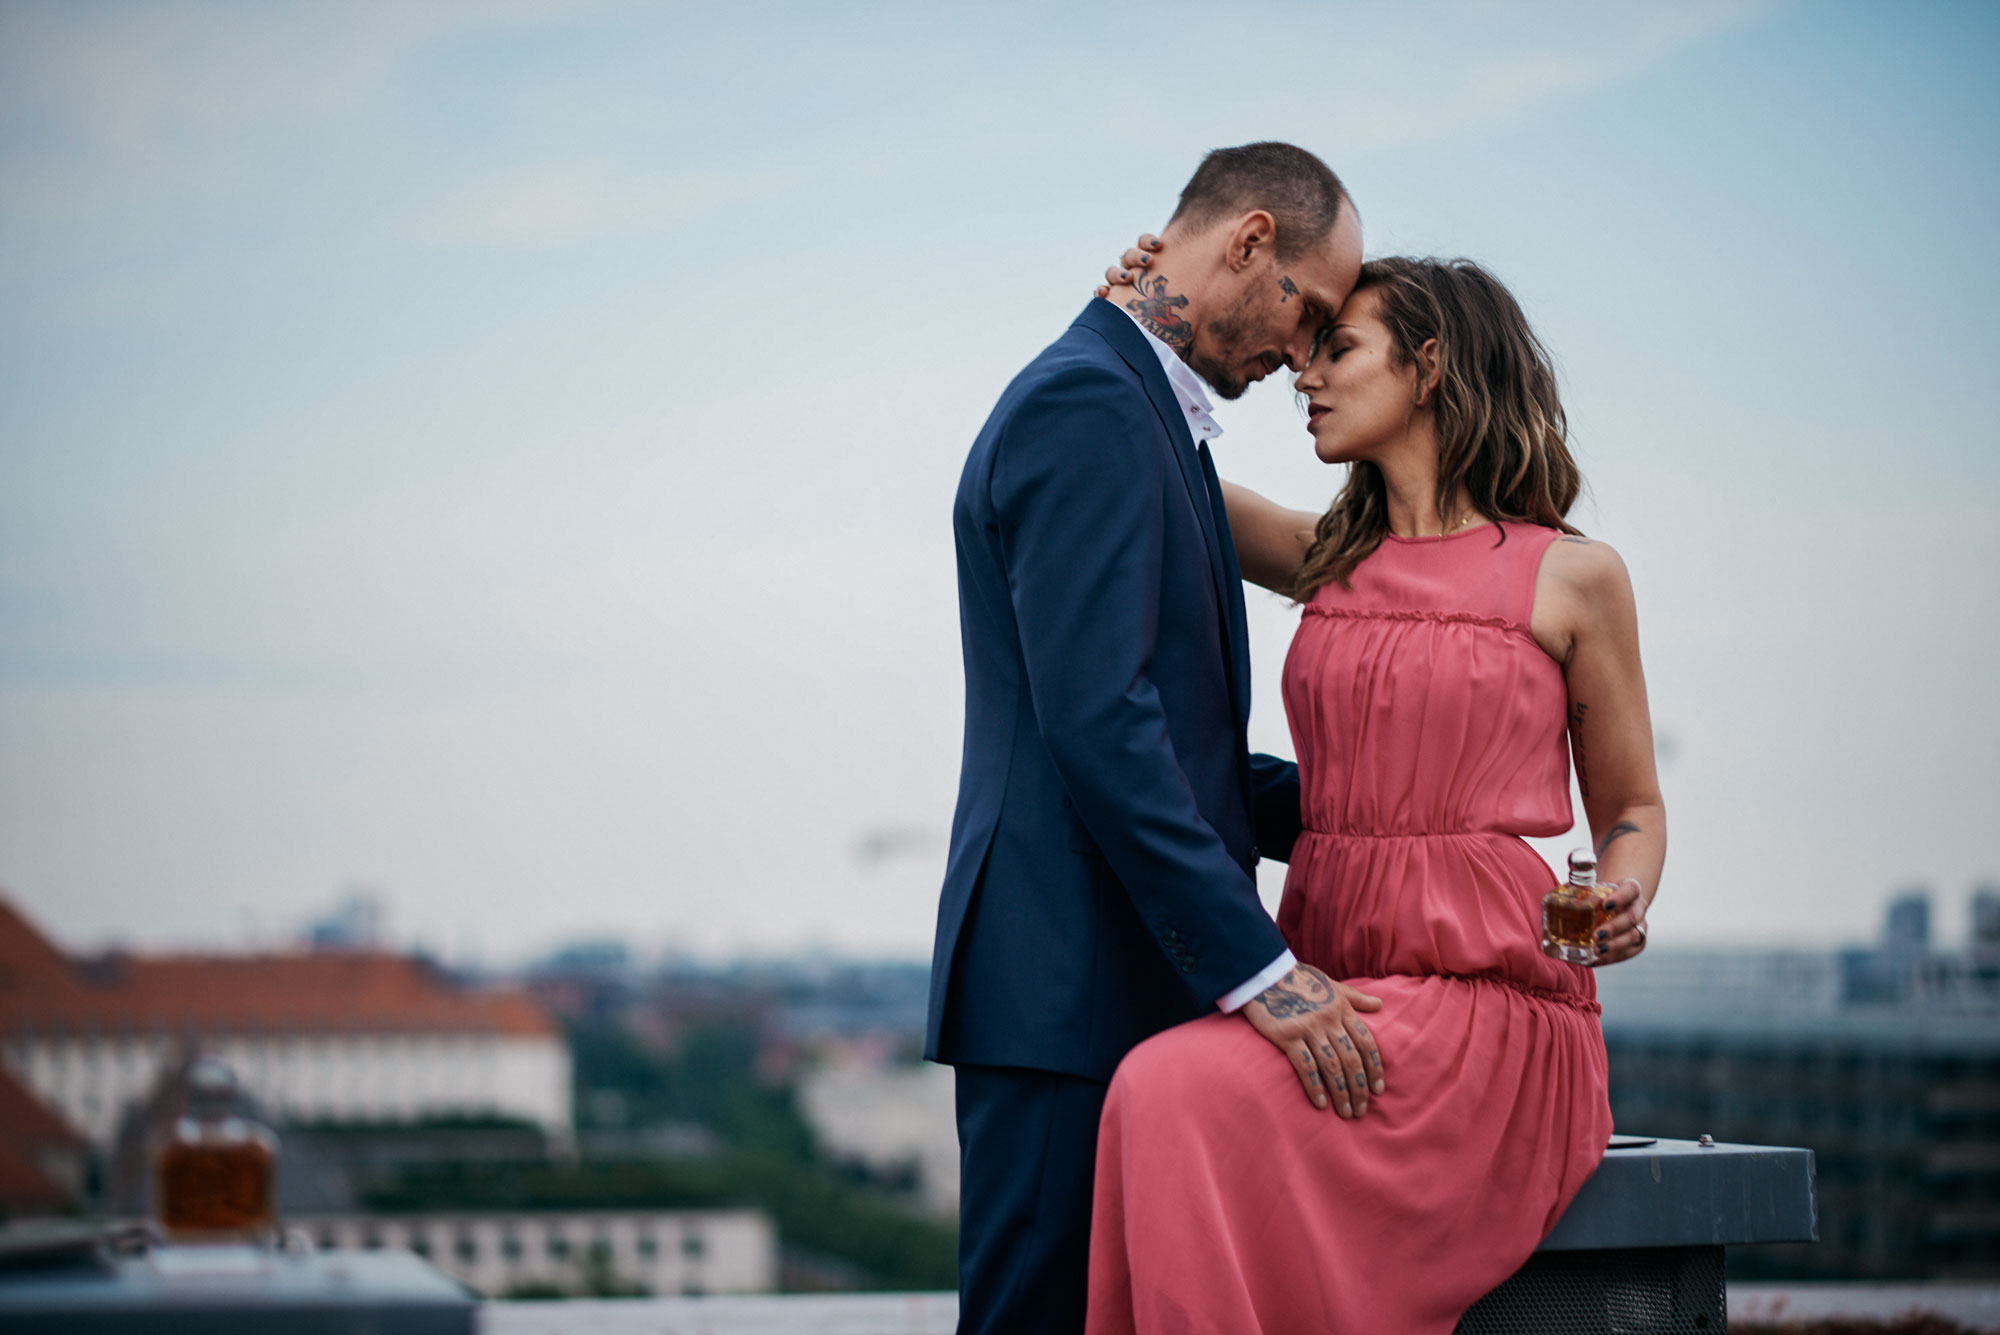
1678,1193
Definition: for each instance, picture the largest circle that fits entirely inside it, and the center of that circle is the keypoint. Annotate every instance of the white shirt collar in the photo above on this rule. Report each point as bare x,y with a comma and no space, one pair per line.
1191,393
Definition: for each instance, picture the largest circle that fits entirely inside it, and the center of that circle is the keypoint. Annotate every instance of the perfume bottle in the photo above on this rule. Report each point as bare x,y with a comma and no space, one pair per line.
1572,911
216,1172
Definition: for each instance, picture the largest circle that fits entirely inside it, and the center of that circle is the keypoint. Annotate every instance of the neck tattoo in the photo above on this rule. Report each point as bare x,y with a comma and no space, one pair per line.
1160,311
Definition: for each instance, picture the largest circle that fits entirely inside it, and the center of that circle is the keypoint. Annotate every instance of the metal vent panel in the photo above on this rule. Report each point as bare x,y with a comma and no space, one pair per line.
1631,1291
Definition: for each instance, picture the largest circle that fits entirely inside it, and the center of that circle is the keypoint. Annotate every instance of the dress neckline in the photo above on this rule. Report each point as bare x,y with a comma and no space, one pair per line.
1441,537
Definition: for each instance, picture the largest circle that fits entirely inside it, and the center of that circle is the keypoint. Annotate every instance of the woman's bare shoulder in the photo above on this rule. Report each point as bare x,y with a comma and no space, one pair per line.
1582,586
1586,567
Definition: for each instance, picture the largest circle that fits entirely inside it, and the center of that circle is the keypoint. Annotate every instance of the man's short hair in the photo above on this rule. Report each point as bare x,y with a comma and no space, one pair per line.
1300,192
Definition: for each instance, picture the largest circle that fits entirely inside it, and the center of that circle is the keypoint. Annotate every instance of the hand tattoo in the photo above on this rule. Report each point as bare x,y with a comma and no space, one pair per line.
1300,992
1157,310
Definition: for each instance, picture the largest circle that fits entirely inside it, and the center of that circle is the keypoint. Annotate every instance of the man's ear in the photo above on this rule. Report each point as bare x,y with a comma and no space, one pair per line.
1251,240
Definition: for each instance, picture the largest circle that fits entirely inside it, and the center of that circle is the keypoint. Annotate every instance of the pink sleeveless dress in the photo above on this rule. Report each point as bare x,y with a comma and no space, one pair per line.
1430,729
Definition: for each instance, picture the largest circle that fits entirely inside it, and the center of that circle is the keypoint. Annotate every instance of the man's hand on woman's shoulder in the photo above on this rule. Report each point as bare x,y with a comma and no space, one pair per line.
1314,1021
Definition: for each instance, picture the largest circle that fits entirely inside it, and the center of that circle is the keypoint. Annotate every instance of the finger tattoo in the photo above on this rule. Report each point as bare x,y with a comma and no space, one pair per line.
1345,1044
1340,1083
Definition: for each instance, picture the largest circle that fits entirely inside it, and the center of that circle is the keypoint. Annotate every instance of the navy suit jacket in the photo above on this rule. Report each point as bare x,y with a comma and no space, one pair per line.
1099,886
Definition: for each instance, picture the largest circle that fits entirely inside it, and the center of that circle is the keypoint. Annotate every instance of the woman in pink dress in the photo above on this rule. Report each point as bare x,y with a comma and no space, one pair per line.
1459,643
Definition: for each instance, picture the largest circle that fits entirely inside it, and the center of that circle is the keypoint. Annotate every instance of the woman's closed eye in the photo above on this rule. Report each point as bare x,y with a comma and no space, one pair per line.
1320,342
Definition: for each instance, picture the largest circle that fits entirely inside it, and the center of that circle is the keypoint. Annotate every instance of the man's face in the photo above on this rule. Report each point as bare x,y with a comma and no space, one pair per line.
1277,311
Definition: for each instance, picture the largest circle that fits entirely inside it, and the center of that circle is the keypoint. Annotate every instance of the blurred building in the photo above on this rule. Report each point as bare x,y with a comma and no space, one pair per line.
894,1119
1884,1061
606,1251
351,1035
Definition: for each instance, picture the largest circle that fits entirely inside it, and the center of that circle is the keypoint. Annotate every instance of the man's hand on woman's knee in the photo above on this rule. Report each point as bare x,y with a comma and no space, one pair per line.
1314,1021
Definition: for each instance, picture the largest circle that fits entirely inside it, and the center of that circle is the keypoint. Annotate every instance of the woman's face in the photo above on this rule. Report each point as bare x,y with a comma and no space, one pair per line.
1358,398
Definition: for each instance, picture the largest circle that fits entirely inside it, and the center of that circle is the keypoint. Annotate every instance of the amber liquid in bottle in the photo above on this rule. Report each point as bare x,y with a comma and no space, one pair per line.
1572,912
216,1174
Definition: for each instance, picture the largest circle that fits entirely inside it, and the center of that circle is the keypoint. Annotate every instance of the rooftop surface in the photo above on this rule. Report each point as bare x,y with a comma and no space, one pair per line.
1975,1305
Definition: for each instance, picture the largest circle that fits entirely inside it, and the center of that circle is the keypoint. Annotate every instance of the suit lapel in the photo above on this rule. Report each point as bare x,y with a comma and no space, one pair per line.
1131,346
1237,618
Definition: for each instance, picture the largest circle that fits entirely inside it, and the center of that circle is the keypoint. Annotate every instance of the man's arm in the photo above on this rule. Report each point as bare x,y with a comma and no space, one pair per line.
1077,488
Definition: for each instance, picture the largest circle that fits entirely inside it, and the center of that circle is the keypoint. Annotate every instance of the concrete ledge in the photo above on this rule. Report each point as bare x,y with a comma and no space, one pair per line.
1974,1305
798,1314
238,1291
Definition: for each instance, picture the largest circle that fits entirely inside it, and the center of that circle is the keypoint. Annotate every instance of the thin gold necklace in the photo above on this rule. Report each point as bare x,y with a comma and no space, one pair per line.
1463,523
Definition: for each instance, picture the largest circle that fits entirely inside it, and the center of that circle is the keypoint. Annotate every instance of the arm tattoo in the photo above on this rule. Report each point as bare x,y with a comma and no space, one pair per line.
1567,537
1300,992
1159,309
1288,287
1615,833
1576,713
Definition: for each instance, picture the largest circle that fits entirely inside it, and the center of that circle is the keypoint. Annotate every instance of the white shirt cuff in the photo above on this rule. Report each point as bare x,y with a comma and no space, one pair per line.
1235,1001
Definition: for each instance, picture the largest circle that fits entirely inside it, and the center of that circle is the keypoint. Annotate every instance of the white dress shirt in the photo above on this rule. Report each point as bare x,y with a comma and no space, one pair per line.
1192,395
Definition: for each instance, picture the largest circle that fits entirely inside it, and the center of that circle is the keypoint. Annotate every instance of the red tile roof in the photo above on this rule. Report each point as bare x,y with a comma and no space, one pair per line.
328,992
29,1135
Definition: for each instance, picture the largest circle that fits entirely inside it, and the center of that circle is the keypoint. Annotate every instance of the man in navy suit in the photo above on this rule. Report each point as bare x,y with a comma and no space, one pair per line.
1100,882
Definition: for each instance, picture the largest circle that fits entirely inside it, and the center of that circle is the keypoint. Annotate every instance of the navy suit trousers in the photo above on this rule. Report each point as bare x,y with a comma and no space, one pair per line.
1028,1147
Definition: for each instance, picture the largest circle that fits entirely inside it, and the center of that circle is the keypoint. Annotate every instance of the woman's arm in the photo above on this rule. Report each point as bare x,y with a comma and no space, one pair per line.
1585,617
1271,541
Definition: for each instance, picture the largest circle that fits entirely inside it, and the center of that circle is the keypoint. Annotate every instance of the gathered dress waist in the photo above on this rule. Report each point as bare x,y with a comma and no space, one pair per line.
1584,1005
1324,832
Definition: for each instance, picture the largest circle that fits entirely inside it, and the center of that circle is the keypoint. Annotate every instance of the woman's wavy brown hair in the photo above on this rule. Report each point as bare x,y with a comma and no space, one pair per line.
1502,437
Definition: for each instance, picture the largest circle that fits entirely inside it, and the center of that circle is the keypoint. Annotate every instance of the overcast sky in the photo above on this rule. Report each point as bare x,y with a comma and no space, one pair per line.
501,453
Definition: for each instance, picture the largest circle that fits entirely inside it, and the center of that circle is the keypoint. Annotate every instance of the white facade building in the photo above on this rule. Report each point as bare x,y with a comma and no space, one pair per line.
666,1252
345,1036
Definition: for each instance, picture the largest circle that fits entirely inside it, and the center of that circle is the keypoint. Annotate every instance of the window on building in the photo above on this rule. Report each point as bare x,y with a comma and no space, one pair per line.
510,1245
328,1240
600,1249
649,1246
558,1246
420,1243
692,1245
372,1240
468,1246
